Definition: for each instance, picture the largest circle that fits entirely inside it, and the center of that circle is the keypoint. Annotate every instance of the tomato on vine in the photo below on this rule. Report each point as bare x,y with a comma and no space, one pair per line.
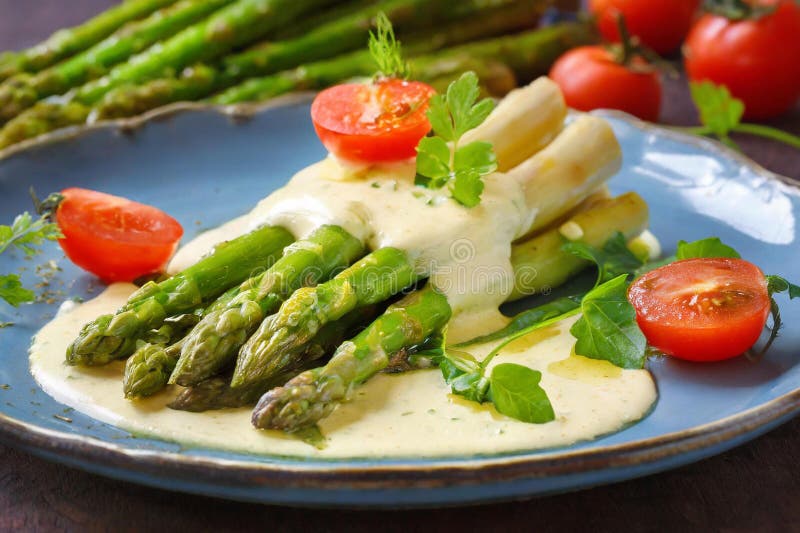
619,76
753,48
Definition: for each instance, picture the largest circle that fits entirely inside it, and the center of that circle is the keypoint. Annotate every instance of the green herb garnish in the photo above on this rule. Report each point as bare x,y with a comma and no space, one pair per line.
460,168
25,234
721,114
386,50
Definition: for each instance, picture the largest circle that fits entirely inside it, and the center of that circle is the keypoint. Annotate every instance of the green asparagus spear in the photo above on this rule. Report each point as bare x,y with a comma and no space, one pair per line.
463,19
42,118
148,369
216,392
541,264
65,43
314,394
23,91
321,74
236,25
213,344
112,337
275,345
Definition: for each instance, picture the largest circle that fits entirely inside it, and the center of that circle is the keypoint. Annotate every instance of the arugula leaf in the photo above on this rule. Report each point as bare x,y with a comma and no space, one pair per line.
608,330
386,50
12,291
775,285
461,168
708,247
530,317
515,392
613,259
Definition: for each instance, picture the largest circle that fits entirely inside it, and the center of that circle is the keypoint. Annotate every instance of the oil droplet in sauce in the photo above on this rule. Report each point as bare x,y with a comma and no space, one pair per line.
583,369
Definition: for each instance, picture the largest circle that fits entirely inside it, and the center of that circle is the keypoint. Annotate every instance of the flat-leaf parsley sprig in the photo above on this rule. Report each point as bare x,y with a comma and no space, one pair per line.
25,234
721,114
460,168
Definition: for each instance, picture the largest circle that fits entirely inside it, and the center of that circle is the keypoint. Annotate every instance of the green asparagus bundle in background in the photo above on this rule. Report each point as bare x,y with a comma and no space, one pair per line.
67,42
198,50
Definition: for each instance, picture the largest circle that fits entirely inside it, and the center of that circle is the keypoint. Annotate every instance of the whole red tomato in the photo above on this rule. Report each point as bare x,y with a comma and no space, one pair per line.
659,24
758,59
591,78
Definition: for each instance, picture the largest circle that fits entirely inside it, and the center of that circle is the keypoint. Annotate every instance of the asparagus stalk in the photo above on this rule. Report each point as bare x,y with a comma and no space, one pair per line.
148,369
463,20
67,42
233,26
541,264
42,118
314,394
217,338
277,341
23,91
560,176
112,337
217,393
427,66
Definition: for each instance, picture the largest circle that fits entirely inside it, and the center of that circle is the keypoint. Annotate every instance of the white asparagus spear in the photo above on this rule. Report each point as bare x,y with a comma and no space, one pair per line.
560,176
523,123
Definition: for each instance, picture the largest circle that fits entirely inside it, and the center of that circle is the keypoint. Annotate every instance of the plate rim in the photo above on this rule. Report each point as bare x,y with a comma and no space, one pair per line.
407,472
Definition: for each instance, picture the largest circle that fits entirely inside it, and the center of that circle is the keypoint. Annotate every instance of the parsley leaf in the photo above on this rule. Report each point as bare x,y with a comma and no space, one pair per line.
607,329
613,259
461,168
719,111
12,291
709,247
25,234
386,50
515,392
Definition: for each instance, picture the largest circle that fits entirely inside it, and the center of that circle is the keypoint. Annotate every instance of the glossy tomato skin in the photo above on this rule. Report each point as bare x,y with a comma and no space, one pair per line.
702,309
591,79
758,60
114,238
660,24
372,123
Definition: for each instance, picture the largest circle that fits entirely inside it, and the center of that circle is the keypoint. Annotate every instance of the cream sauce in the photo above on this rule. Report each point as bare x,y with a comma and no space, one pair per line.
466,253
408,414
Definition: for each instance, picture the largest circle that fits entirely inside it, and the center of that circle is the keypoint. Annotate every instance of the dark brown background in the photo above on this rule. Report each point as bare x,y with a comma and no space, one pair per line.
755,487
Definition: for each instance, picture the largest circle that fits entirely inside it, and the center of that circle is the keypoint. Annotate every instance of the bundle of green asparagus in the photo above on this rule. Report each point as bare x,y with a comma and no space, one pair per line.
297,337
145,54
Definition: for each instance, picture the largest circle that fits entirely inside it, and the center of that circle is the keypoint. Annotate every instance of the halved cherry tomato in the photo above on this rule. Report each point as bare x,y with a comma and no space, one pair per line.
114,238
372,123
757,59
659,24
702,309
591,78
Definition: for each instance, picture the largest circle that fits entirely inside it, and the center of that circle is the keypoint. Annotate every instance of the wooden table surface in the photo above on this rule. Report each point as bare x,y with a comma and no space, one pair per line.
753,487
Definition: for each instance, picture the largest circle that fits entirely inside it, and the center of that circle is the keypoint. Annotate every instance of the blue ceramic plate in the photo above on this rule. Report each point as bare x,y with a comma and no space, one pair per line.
203,167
